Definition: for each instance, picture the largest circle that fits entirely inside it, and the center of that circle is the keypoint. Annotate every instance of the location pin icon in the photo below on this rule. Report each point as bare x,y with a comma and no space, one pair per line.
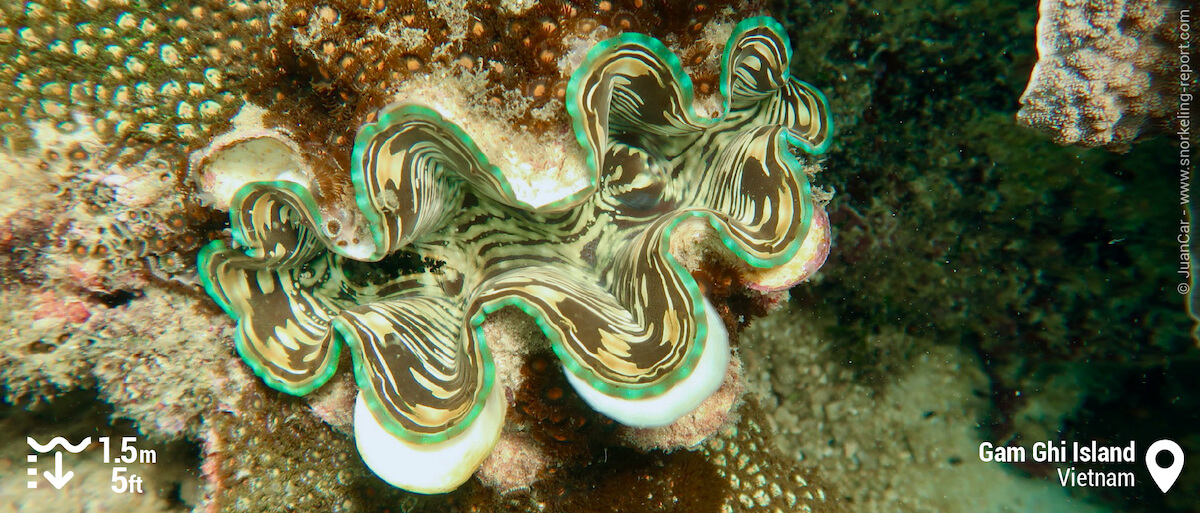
1164,477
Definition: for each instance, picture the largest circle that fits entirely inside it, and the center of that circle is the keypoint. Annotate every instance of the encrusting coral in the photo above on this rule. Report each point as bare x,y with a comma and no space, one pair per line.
1105,71
635,335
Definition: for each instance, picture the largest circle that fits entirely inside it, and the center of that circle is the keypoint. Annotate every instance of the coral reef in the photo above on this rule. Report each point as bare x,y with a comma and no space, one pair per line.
1106,71
984,284
625,318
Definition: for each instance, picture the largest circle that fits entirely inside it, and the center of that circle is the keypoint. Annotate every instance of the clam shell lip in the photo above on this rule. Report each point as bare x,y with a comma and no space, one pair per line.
428,468
682,398
249,151
808,260
266,156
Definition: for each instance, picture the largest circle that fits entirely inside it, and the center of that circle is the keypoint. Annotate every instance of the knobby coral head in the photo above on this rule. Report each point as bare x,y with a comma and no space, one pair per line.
636,337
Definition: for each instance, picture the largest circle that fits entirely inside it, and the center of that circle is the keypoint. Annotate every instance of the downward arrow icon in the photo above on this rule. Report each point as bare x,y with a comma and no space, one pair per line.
58,479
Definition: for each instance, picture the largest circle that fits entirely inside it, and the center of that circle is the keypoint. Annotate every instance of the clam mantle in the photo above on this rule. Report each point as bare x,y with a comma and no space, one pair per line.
449,243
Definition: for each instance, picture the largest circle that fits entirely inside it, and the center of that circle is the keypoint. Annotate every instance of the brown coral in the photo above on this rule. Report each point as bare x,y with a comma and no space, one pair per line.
363,48
272,453
156,72
759,479
738,470
1102,77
